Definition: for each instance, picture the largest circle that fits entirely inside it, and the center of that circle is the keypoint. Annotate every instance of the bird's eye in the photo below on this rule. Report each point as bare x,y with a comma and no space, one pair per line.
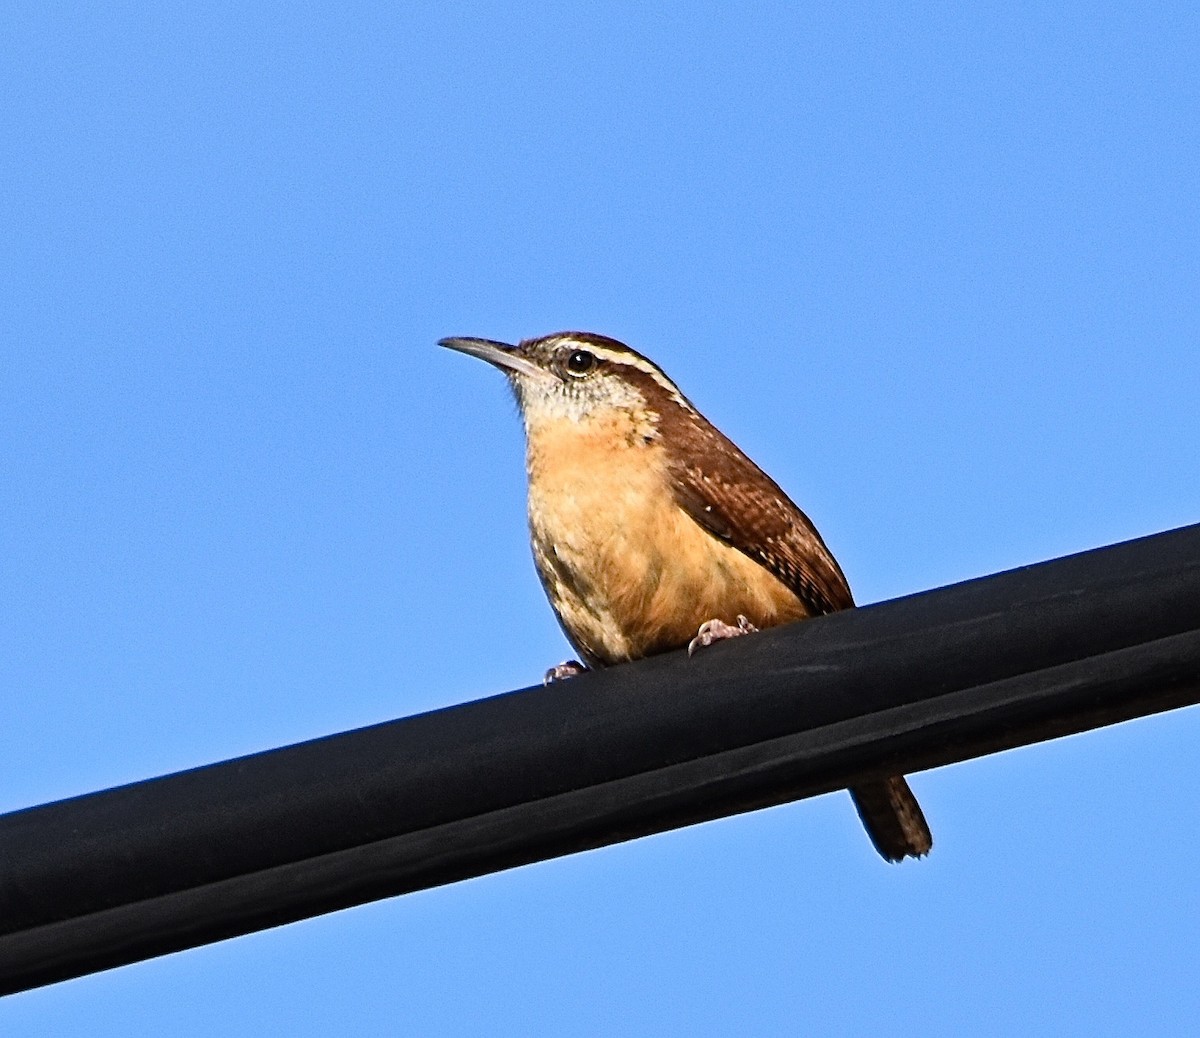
581,362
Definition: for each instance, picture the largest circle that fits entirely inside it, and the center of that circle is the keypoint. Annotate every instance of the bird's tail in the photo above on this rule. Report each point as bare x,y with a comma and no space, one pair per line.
893,819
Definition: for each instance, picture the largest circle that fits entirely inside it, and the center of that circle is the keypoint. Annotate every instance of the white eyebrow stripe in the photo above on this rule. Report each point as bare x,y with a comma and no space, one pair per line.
630,358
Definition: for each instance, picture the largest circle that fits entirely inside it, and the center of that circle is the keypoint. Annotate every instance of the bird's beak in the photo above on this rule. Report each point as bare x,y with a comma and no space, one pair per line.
507,358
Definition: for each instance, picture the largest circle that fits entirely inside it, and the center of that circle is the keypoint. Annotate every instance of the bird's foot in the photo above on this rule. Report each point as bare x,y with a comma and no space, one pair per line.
717,631
567,669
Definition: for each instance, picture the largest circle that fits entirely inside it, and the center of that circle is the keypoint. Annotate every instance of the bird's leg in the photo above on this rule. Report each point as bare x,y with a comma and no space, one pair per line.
717,631
566,669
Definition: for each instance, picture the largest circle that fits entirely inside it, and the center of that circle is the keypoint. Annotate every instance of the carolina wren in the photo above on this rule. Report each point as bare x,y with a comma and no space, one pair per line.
651,531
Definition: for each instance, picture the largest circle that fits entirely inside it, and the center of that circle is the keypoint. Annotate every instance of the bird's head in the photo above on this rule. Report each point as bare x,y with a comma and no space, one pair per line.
580,377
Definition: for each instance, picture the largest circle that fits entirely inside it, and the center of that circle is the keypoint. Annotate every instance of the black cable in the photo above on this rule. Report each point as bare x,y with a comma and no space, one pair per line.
1011,659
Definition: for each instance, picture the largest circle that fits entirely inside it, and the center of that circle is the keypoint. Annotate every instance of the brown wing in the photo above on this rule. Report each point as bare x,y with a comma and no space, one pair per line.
734,500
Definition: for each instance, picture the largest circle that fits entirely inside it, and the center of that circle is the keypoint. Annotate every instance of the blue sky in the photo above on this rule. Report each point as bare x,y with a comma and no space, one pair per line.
934,266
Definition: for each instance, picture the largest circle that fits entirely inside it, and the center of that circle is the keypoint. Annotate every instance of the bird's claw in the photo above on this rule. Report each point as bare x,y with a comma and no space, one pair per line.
716,630
564,670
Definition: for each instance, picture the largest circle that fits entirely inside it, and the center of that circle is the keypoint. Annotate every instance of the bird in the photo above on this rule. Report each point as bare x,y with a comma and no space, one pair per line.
651,531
